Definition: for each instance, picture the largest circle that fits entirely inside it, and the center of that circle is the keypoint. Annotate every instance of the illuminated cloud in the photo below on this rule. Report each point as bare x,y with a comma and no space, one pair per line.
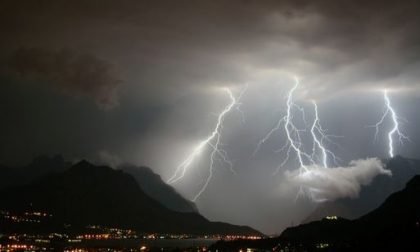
326,184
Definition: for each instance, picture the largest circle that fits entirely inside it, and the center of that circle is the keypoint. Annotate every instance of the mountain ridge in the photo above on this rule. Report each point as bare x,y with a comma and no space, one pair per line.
153,185
150,182
393,226
371,196
87,194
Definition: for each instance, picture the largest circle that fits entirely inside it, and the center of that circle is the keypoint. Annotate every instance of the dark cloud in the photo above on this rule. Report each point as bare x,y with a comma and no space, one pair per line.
334,45
72,73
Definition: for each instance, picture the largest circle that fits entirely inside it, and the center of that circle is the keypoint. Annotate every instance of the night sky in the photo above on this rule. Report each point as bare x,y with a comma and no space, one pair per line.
142,82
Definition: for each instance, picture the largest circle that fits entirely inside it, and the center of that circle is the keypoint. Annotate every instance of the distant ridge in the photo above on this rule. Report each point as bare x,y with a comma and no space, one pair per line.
87,194
393,226
153,185
150,182
373,195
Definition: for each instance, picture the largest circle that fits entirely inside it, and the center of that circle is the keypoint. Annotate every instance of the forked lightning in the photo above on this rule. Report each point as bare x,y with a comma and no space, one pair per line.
294,138
294,144
389,111
212,141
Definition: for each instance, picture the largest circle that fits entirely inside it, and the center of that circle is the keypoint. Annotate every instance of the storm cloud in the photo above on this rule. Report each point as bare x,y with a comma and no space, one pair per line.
334,46
69,72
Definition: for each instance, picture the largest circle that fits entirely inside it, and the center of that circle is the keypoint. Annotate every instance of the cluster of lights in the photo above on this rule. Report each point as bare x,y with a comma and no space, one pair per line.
241,237
333,217
17,247
104,233
94,236
29,217
39,214
322,245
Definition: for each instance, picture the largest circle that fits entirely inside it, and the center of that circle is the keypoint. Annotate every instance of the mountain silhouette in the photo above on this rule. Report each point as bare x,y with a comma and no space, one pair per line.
371,196
393,226
150,182
153,185
86,194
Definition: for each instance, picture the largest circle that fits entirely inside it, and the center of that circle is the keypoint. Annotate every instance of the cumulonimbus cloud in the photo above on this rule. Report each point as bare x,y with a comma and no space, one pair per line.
326,184
72,73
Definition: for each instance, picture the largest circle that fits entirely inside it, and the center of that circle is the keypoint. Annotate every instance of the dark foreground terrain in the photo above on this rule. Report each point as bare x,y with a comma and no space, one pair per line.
64,198
393,226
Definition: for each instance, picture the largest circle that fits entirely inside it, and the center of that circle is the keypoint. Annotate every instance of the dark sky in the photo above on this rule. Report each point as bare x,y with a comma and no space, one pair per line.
139,81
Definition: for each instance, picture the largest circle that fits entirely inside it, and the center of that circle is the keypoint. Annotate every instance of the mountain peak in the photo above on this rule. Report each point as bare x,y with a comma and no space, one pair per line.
86,166
83,163
371,196
87,194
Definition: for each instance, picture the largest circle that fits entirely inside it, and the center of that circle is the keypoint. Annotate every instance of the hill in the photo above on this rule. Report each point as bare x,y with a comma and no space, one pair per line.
371,196
150,182
393,226
86,194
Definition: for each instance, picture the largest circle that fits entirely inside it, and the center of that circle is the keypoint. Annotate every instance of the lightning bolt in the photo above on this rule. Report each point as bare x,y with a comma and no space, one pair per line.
213,141
389,111
294,140
292,132
316,129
